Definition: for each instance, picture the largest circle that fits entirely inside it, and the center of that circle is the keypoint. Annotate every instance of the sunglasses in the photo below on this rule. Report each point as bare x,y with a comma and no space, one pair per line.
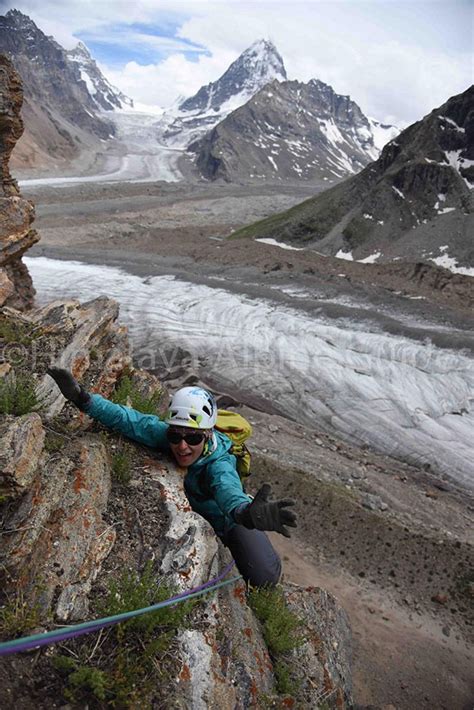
192,438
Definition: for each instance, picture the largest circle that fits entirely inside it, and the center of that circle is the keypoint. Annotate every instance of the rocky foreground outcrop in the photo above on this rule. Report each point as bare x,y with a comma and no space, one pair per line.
16,213
70,527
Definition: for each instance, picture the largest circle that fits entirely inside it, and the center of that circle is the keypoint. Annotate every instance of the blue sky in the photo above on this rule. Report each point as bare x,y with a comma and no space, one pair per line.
397,59
118,44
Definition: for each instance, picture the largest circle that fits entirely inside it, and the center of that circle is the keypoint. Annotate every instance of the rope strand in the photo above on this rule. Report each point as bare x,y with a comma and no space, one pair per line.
68,632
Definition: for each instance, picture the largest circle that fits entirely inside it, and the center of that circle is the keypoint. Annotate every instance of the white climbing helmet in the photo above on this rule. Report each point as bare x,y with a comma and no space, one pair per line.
192,407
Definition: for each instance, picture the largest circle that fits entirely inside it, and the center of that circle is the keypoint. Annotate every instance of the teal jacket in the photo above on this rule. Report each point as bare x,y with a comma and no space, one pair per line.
212,484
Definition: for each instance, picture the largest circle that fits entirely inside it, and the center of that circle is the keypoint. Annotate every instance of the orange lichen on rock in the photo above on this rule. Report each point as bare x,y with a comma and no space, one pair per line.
248,632
185,674
239,593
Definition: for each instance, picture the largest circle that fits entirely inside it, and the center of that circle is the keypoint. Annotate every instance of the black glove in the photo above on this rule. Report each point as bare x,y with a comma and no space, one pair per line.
70,388
264,514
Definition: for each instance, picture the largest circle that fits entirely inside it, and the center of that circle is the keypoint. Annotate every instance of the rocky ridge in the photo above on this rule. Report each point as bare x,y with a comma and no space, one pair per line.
104,95
16,213
59,112
414,202
288,131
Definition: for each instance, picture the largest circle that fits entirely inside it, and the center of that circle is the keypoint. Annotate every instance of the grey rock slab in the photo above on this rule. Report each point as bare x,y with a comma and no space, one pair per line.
190,545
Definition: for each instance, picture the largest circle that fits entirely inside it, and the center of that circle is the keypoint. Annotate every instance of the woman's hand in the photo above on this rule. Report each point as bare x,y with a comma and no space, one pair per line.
265,514
70,387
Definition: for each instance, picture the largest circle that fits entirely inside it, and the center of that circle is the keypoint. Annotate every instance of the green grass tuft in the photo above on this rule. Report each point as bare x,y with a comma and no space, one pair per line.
281,627
122,466
18,616
282,634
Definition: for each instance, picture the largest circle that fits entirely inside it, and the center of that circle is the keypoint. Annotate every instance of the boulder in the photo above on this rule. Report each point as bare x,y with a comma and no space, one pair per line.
322,666
86,326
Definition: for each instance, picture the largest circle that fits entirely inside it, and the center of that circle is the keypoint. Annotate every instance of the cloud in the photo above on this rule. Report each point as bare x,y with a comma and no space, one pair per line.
161,84
396,60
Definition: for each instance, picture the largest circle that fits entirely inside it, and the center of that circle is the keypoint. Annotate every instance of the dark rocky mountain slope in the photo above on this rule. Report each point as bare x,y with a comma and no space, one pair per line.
414,202
289,130
58,111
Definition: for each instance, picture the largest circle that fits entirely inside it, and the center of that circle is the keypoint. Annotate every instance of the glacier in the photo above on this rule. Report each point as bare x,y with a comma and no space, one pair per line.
402,396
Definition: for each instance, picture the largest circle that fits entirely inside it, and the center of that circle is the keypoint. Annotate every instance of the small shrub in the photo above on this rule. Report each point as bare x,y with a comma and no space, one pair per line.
83,680
135,655
88,679
133,591
285,685
281,631
126,393
122,391
18,395
18,616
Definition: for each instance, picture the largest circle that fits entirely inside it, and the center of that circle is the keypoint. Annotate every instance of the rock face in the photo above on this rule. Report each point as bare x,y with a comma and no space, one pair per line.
59,112
258,65
16,214
289,131
414,202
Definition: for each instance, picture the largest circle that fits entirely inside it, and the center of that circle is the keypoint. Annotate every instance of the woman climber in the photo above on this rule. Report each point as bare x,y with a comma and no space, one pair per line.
212,483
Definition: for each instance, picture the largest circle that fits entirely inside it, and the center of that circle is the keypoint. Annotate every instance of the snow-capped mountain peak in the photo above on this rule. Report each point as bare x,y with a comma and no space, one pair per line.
262,62
20,21
104,95
257,66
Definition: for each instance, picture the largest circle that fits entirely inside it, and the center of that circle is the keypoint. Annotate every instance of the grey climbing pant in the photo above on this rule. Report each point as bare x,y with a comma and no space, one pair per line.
256,559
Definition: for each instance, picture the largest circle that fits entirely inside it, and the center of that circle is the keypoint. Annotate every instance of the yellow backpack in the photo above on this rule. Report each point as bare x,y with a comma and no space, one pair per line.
238,429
